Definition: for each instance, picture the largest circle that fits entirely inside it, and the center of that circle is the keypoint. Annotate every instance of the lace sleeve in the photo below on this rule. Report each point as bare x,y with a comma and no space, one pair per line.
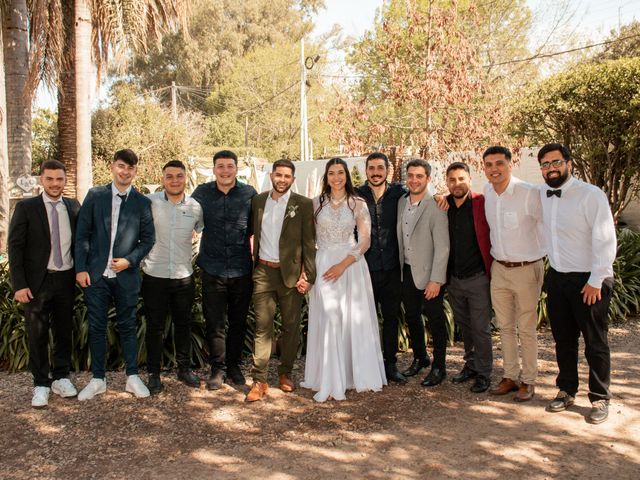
363,225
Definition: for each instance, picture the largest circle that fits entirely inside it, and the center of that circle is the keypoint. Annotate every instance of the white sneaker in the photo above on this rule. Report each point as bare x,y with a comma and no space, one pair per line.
136,386
64,388
95,387
40,397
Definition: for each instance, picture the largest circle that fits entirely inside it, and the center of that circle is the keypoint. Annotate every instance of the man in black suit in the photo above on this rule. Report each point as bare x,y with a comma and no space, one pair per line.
42,276
115,232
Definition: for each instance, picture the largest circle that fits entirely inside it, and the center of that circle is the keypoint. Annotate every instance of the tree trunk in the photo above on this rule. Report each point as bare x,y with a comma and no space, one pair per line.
4,159
67,103
83,73
16,63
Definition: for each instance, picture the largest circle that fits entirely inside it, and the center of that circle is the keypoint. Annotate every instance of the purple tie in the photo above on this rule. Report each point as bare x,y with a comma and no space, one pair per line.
55,236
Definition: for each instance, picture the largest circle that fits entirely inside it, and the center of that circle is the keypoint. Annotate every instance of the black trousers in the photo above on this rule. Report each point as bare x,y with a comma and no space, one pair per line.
225,301
570,316
51,307
161,296
470,300
387,292
414,305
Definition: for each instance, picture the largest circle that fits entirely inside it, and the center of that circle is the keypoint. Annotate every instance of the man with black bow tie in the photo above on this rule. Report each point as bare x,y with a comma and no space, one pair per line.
581,243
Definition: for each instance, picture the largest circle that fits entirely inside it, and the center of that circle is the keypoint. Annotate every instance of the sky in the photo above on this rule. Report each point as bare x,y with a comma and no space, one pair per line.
589,19
596,16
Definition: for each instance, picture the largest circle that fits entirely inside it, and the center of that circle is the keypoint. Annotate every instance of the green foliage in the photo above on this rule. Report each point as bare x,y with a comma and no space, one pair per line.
594,109
44,141
625,302
220,32
356,179
625,43
128,120
262,91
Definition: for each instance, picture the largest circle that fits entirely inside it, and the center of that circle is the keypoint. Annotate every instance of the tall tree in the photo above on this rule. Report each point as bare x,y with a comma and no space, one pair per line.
114,27
422,82
221,31
262,92
594,109
4,157
15,27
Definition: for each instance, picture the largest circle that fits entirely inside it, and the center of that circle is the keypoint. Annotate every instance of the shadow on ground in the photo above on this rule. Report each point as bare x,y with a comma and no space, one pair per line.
402,432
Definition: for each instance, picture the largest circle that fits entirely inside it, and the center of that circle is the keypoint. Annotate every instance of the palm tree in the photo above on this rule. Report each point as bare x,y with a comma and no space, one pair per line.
4,159
85,32
18,97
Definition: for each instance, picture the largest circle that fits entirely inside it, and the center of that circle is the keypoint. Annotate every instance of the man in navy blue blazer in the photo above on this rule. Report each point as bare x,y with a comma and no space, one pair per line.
114,233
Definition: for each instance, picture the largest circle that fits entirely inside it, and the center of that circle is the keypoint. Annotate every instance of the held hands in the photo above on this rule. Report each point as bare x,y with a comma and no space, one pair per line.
432,290
119,264
83,279
23,295
302,285
590,295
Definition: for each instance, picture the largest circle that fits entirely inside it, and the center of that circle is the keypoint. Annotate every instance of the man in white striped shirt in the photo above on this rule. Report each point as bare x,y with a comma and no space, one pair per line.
581,243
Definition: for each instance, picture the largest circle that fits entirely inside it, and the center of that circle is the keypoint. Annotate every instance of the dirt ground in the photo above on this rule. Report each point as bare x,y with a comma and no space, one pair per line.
407,432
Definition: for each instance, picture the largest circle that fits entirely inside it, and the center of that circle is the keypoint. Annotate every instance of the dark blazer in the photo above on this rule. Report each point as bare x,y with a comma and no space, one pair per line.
134,238
297,239
29,242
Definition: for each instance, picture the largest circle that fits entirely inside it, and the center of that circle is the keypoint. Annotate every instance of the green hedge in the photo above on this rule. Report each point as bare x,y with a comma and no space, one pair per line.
13,344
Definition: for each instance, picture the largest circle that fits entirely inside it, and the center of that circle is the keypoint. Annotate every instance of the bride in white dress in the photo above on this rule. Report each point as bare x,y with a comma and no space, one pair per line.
343,343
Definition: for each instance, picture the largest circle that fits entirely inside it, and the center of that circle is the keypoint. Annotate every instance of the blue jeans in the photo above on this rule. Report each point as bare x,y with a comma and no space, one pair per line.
98,298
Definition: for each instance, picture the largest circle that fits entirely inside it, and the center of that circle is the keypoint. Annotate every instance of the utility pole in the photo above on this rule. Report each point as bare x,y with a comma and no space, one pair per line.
304,134
174,102
246,132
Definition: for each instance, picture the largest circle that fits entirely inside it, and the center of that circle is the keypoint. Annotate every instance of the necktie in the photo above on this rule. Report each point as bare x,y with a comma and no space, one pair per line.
557,193
55,236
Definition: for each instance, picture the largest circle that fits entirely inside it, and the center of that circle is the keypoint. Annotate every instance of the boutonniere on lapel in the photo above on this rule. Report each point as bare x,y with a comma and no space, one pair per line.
291,211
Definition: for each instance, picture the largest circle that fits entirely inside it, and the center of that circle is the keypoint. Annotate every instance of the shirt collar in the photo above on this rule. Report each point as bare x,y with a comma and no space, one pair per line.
115,191
284,197
184,199
47,199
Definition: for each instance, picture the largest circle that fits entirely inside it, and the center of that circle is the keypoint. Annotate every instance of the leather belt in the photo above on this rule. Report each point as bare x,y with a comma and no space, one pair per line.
516,264
269,264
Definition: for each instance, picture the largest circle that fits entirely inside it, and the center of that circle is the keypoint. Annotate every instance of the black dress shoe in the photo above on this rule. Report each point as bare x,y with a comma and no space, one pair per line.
435,377
215,381
416,366
465,374
393,375
481,384
189,378
154,384
235,375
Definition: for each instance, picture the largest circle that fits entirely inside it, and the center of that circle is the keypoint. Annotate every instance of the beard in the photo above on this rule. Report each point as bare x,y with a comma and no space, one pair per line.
555,182
376,182
281,188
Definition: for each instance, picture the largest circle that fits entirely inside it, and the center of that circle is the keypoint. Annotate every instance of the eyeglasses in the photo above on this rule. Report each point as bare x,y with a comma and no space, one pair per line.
554,164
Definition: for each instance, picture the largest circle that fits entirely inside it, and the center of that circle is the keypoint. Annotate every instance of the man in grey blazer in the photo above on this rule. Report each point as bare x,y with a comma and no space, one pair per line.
423,240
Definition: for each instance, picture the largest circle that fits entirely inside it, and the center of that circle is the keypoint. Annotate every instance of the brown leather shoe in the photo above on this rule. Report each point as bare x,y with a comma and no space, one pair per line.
286,384
258,390
525,392
505,386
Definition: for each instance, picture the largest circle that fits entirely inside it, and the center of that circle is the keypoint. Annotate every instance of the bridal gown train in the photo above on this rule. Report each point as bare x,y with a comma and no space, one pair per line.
343,343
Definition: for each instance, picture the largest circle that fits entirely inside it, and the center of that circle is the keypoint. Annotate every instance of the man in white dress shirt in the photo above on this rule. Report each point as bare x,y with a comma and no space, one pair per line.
581,239
513,211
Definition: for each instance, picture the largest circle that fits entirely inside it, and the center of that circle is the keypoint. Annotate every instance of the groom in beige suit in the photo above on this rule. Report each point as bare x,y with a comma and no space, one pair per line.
423,243
284,254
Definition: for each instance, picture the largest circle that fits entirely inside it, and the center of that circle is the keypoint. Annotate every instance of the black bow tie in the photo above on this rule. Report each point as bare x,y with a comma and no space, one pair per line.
557,193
